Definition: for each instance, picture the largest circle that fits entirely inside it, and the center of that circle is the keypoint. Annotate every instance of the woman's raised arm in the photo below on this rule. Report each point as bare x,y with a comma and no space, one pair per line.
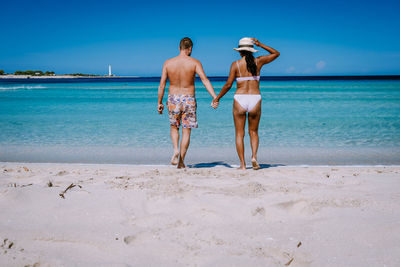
266,59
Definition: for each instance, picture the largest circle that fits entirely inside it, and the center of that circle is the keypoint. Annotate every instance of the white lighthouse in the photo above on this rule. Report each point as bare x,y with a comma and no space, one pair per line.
109,70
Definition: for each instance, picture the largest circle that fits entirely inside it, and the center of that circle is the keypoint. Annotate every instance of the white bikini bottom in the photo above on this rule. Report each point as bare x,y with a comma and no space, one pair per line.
248,102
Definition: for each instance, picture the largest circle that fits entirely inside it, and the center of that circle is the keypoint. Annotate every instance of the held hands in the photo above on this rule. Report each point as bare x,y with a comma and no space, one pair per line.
256,42
160,108
215,103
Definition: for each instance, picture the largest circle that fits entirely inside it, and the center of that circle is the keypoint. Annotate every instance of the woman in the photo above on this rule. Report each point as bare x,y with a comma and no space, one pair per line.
247,98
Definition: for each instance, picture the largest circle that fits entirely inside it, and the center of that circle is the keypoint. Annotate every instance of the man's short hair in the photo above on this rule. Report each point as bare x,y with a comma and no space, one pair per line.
185,43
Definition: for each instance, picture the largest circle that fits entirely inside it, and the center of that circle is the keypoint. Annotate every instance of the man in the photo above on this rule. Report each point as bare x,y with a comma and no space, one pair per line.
181,104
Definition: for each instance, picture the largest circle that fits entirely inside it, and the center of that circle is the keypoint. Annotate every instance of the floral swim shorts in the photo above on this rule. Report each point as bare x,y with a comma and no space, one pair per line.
182,110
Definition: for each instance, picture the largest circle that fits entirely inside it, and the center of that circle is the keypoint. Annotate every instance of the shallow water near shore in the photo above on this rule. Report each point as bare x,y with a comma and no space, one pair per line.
303,122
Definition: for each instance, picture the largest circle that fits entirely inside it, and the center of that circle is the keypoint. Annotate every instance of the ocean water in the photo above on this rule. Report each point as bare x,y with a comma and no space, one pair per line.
303,122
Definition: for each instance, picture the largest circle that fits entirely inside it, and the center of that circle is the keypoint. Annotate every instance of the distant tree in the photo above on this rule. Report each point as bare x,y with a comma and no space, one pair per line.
49,73
1,72
29,72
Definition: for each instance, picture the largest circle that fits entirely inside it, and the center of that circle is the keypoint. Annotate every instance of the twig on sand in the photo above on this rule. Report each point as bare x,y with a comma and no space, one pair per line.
5,245
292,256
289,262
69,187
15,185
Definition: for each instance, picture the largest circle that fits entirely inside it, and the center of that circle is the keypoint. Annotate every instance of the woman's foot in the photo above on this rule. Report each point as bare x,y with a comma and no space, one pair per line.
242,167
174,159
255,164
181,165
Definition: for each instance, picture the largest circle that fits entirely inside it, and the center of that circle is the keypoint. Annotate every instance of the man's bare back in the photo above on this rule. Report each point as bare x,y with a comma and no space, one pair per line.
181,72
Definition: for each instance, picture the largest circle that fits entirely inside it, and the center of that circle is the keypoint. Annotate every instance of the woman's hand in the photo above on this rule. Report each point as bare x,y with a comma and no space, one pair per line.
256,42
266,59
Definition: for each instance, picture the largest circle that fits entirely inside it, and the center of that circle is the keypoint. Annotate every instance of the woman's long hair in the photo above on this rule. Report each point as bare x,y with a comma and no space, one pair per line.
251,64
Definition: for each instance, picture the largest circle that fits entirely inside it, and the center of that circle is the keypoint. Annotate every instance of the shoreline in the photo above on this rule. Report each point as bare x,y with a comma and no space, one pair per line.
192,166
201,155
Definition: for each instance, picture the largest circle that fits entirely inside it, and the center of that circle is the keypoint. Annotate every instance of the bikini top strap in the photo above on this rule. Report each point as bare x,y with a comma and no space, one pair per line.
237,64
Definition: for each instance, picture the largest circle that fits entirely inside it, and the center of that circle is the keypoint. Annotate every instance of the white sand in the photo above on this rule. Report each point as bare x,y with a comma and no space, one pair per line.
159,216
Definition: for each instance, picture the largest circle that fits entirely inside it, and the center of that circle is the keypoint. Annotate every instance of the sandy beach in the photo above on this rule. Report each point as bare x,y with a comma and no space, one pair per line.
127,215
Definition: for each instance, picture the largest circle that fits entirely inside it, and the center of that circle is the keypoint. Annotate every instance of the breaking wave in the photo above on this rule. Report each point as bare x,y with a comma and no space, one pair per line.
22,87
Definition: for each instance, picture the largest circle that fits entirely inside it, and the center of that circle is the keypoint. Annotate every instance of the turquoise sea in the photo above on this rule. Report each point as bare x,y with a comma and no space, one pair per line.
303,122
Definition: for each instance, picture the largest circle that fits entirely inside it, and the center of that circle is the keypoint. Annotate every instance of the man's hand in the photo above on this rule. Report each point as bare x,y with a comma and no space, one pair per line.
215,103
256,42
160,108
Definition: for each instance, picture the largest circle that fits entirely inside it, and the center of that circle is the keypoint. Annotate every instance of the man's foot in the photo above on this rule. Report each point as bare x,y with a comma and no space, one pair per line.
255,164
174,159
181,165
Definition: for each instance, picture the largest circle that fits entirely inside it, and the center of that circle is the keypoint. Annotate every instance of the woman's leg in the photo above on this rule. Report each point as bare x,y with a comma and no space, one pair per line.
254,121
239,117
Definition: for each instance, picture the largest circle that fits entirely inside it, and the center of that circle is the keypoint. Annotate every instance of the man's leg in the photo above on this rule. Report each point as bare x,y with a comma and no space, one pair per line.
184,146
175,144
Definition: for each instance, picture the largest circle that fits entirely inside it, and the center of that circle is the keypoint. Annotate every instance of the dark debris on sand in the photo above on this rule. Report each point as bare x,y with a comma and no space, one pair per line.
68,188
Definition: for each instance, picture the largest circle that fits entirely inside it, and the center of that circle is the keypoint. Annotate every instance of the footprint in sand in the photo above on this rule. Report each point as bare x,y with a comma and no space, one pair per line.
129,239
61,173
258,211
297,207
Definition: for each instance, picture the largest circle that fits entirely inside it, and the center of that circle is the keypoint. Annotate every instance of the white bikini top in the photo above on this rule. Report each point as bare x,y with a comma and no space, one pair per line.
250,78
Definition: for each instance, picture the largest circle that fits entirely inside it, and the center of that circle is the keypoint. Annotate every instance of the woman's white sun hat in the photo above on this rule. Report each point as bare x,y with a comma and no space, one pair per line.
246,44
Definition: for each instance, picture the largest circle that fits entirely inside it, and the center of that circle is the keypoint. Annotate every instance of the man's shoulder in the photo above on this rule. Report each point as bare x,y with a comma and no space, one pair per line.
177,60
169,60
196,61
192,61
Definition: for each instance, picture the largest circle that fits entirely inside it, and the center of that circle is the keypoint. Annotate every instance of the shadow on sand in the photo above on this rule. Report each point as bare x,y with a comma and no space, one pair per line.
221,163
210,164
266,166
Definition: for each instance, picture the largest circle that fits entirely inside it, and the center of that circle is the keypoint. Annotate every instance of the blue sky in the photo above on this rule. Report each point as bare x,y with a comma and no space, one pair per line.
136,37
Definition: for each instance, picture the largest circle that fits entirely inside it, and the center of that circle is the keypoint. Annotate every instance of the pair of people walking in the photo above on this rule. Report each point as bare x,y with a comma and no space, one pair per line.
181,103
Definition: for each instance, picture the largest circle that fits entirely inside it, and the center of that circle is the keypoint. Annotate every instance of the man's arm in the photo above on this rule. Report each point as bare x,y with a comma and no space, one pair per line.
161,89
229,82
266,59
204,79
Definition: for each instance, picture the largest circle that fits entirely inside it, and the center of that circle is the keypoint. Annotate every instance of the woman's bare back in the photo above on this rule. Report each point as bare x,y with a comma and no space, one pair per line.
247,87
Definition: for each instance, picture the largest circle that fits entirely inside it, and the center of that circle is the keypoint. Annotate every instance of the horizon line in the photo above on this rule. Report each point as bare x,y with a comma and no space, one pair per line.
55,79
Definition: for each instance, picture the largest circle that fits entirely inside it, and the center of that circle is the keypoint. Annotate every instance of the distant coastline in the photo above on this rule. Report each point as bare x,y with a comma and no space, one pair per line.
11,78
63,76
66,76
